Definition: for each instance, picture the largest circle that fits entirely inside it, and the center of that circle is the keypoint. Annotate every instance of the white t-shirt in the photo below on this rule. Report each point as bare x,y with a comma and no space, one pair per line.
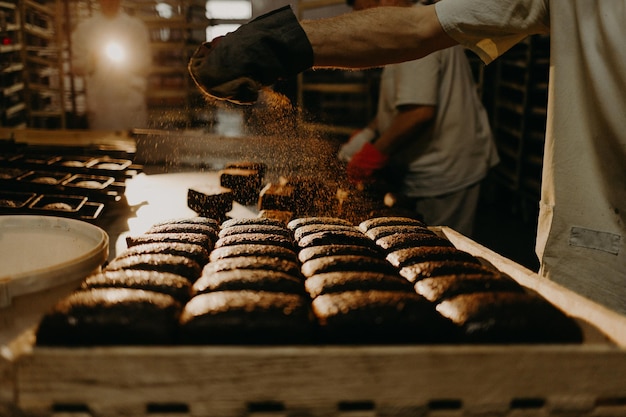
115,89
582,221
458,149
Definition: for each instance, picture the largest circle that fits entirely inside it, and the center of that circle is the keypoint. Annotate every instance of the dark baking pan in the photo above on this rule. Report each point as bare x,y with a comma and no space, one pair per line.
44,177
90,211
88,182
58,203
73,161
35,160
9,157
90,165
117,168
11,173
109,164
95,187
12,200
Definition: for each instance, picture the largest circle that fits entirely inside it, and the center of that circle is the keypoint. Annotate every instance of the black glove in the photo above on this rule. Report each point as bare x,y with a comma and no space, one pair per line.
234,67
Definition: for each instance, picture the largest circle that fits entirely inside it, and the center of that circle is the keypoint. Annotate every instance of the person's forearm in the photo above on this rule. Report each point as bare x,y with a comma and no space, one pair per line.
373,124
375,37
404,128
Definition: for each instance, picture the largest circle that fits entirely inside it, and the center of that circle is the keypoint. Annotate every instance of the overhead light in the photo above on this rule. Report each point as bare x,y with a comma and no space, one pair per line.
115,52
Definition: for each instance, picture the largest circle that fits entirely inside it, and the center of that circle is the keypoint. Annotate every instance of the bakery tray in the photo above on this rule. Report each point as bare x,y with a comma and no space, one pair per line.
13,200
410,380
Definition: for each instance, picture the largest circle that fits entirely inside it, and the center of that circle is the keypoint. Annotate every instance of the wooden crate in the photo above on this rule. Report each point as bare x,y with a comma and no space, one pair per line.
587,380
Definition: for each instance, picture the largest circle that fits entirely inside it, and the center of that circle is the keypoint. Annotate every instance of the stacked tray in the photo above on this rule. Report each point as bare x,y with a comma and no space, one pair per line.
76,182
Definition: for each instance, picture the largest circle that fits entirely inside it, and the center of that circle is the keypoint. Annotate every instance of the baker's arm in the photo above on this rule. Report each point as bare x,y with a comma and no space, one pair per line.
375,37
403,129
276,45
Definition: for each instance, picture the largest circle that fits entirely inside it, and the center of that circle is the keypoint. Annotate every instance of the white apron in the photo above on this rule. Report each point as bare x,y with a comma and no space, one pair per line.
582,221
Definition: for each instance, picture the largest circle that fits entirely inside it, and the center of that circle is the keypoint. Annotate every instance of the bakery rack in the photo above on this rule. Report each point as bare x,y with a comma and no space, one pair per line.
73,180
586,380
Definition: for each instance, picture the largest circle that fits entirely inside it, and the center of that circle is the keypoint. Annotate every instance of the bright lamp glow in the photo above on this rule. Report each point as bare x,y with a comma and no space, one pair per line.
115,52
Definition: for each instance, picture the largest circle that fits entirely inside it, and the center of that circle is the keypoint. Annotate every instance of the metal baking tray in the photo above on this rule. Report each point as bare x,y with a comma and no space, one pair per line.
44,177
73,161
585,380
110,164
88,182
12,200
11,173
58,203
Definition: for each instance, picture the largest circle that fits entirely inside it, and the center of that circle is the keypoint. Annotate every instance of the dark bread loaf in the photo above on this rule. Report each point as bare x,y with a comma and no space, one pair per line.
368,224
251,221
509,317
245,183
190,250
273,251
209,231
314,252
282,215
330,282
335,237
355,263
248,279
275,196
163,282
179,265
255,239
379,317
246,317
409,256
206,221
321,220
212,201
416,272
438,289
111,316
269,229
377,232
253,165
303,231
407,240
253,262
195,238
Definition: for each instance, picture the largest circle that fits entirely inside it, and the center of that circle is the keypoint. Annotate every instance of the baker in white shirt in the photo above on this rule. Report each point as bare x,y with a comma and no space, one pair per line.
582,223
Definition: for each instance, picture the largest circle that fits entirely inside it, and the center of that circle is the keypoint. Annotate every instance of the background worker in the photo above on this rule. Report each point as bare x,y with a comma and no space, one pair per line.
432,129
112,51
582,220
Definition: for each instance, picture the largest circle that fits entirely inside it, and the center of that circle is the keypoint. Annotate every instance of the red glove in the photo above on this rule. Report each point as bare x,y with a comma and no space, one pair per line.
364,163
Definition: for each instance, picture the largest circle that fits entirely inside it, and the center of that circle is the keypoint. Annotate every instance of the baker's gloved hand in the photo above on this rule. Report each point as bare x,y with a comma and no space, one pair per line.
355,143
365,163
236,66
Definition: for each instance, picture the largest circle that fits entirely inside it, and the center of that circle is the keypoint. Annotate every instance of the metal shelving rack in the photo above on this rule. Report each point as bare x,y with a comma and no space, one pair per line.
519,115
173,98
43,63
12,103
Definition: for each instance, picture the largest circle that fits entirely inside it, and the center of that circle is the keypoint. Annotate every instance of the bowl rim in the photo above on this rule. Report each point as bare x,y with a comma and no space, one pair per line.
74,269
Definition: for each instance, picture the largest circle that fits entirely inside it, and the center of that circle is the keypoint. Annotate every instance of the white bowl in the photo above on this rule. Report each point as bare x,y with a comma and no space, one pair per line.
43,258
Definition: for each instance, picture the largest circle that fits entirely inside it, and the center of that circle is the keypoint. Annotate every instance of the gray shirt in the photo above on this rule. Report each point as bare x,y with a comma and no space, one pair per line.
457,150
